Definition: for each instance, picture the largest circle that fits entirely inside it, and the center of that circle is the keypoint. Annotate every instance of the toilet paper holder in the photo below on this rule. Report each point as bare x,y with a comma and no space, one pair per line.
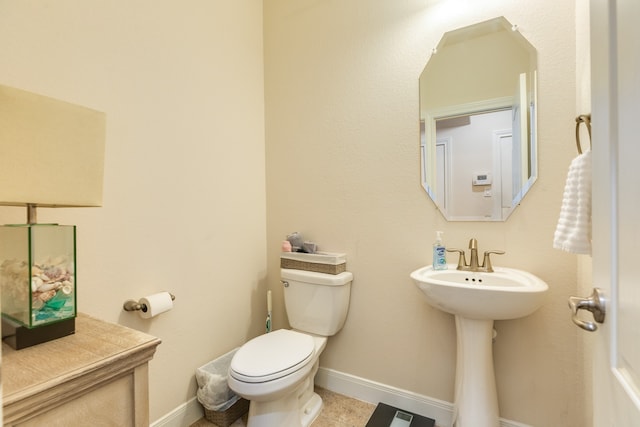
132,305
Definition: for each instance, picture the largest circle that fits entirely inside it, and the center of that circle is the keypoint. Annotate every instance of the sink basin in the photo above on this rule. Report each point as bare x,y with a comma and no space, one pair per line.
507,293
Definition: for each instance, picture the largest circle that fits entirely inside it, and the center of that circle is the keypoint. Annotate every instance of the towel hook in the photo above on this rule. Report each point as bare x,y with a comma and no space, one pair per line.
586,119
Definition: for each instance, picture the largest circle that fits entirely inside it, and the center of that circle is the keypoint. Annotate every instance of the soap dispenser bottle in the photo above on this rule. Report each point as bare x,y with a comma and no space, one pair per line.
439,253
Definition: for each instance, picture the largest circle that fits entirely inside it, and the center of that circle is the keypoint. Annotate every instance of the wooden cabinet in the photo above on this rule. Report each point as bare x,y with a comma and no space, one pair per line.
96,377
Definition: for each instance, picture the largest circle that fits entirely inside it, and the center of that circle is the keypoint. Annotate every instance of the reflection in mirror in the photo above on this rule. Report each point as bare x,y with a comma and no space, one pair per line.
477,122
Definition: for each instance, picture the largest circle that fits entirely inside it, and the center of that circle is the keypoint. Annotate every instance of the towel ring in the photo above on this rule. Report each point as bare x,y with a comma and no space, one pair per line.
586,119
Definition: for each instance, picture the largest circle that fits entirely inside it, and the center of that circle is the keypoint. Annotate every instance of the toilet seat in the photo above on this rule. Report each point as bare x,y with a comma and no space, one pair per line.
272,356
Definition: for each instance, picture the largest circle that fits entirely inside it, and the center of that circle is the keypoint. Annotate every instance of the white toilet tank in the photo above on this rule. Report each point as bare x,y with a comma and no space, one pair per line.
316,303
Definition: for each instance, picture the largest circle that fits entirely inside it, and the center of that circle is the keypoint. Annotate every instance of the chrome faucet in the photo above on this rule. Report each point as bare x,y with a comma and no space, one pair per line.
473,262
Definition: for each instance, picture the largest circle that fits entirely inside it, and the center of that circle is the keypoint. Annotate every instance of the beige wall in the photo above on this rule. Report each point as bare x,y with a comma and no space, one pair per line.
583,105
500,54
343,169
184,205
181,84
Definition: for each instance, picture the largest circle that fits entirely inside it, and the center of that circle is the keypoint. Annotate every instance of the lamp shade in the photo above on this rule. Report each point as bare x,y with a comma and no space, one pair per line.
51,151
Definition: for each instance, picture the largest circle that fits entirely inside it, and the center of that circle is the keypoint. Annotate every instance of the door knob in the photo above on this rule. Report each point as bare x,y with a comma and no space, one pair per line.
594,303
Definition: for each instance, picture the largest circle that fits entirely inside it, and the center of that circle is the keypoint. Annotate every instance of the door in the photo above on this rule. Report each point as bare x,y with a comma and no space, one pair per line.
504,172
615,94
443,148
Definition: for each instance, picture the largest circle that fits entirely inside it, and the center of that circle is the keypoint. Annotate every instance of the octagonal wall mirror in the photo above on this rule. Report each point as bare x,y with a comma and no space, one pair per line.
478,104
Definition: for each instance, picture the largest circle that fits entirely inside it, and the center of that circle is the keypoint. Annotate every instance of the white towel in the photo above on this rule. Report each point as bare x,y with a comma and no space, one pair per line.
573,232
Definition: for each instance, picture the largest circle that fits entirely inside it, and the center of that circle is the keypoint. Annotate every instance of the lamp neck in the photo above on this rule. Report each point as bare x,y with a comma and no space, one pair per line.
32,217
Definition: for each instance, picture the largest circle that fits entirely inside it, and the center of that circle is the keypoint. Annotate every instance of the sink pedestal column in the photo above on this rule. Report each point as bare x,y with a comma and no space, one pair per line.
476,398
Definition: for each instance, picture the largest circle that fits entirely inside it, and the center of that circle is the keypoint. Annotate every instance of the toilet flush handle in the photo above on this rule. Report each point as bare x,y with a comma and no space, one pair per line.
285,283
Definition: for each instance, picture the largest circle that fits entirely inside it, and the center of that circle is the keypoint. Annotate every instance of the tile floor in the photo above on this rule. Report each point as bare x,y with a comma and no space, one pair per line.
338,411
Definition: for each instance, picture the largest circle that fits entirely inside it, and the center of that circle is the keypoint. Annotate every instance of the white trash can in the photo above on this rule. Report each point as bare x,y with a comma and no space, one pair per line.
221,405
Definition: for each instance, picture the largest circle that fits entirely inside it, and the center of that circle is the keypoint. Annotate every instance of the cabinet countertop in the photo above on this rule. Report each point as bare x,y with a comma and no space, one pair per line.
96,352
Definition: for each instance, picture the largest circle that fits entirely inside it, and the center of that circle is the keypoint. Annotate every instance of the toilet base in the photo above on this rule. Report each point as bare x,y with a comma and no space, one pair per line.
311,410
286,412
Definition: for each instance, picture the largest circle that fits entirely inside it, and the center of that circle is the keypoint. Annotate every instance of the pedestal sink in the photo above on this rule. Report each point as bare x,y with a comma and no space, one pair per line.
477,299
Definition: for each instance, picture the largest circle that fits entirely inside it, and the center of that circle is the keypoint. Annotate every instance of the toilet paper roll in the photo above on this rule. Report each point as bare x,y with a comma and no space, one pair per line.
155,304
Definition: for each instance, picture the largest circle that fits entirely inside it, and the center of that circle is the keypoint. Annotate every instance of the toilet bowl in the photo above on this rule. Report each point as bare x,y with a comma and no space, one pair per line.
276,371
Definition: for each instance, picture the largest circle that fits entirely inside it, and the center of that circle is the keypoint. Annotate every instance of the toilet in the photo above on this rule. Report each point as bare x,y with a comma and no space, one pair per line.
275,371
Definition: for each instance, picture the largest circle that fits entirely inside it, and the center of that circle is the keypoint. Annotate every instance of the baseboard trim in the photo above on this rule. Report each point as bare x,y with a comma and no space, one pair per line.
183,416
351,386
374,392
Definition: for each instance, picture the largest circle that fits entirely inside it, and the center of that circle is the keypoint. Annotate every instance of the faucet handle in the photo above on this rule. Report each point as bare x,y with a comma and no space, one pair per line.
486,263
462,261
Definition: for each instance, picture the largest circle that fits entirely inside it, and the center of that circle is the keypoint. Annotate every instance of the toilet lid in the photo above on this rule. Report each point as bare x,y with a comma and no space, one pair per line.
271,356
